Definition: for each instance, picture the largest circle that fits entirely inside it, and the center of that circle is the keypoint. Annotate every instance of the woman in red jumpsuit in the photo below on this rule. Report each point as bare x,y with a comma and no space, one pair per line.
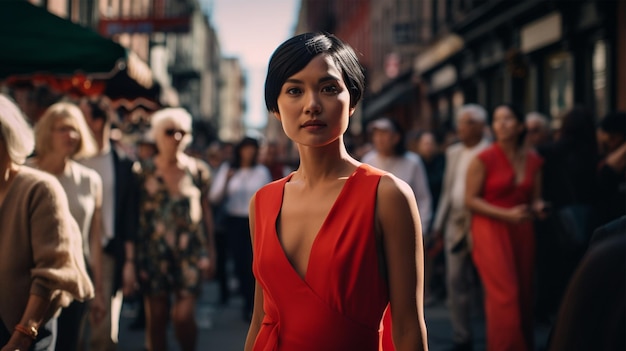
336,241
503,192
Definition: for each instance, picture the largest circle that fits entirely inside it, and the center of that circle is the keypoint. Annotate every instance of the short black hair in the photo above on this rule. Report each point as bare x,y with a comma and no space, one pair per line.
97,112
246,141
295,53
516,111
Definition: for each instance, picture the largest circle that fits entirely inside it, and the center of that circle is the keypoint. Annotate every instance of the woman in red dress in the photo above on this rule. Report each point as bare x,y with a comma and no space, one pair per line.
503,192
336,241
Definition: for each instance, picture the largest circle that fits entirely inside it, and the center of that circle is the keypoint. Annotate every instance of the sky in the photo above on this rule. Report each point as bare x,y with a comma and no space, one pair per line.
251,30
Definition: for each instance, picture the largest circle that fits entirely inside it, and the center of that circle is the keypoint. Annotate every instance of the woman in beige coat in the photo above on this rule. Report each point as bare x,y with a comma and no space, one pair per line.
40,244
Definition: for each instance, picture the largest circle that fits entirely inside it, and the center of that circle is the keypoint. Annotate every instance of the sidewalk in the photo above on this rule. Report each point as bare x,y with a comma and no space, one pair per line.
221,328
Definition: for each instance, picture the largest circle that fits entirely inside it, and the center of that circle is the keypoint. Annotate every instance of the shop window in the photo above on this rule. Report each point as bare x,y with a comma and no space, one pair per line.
559,83
599,77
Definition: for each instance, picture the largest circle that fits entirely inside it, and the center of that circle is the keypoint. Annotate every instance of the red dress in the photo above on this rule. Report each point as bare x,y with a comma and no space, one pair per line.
339,304
504,253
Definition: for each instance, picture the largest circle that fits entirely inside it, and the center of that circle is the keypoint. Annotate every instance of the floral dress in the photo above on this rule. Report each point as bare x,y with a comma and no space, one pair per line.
171,238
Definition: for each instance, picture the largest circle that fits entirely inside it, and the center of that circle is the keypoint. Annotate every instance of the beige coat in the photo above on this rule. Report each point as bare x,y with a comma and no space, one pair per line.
40,247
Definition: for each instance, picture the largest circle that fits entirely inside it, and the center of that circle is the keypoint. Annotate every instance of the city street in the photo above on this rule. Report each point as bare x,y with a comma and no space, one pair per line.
222,329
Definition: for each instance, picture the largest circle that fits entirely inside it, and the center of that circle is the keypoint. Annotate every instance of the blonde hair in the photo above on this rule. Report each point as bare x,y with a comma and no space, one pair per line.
179,116
87,146
15,130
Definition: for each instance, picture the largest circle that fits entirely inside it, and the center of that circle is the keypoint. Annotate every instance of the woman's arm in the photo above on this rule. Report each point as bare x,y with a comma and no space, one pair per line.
207,218
539,207
257,312
96,308
218,188
474,201
398,221
33,316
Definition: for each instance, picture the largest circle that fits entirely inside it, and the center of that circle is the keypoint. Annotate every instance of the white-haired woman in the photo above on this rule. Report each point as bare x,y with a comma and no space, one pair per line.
61,136
41,262
175,246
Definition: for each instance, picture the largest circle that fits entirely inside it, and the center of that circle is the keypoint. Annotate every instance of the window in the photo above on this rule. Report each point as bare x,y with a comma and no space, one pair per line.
559,85
598,67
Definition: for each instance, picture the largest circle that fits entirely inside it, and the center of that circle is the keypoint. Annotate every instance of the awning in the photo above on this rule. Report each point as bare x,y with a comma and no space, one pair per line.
438,52
39,45
399,90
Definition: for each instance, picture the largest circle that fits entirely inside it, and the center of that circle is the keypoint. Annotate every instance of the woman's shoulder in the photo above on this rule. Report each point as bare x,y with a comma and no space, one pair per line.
392,188
534,157
85,171
143,166
29,178
489,154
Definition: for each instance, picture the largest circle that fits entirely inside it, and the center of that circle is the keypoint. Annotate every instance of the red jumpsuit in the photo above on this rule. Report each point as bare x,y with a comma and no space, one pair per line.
504,253
339,304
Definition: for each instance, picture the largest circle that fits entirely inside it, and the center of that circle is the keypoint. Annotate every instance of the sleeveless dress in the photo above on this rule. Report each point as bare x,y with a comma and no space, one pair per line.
171,238
339,304
504,252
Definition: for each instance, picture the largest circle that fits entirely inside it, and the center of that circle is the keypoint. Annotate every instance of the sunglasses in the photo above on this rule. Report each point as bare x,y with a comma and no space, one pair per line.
179,133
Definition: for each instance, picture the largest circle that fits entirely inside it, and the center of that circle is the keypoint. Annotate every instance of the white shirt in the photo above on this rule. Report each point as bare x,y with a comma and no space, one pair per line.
457,192
410,168
239,189
103,164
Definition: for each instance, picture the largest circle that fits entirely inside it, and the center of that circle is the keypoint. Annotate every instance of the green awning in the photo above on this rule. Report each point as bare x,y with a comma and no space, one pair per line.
34,40
40,48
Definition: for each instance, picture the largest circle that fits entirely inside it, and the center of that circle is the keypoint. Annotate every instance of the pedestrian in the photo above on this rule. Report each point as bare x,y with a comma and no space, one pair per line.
42,266
538,130
568,184
611,174
503,192
390,154
175,247
119,219
336,241
61,138
452,222
235,184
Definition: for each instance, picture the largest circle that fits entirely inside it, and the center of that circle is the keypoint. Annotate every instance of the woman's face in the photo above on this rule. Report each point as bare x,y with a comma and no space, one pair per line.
314,104
65,137
169,137
505,126
248,153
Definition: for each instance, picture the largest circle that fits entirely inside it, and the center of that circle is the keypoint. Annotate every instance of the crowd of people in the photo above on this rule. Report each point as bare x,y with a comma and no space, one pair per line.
500,219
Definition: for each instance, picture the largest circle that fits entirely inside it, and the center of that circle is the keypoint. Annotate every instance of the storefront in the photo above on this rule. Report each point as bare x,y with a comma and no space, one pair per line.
541,56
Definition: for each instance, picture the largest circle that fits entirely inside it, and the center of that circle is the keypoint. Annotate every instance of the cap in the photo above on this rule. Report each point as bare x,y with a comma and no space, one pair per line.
382,124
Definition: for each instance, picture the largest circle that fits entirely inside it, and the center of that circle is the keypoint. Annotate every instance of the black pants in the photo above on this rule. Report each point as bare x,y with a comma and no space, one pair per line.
45,341
71,326
240,245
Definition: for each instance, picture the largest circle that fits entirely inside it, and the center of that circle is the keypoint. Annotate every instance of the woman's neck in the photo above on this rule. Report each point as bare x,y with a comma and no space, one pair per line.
168,160
322,164
510,148
52,164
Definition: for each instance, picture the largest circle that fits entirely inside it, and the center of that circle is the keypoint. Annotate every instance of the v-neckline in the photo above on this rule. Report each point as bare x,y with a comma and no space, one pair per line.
516,183
305,277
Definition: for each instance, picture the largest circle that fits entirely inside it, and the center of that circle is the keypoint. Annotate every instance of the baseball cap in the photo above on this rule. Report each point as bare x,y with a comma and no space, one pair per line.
383,123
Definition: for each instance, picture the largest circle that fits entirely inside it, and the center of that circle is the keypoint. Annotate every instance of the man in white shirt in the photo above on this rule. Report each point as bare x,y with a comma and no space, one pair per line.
454,218
390,155
119,218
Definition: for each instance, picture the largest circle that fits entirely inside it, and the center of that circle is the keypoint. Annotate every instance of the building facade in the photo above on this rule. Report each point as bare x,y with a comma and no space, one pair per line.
426,58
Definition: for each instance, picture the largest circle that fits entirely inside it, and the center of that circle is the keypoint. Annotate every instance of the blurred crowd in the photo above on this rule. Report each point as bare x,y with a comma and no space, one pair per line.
509,205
